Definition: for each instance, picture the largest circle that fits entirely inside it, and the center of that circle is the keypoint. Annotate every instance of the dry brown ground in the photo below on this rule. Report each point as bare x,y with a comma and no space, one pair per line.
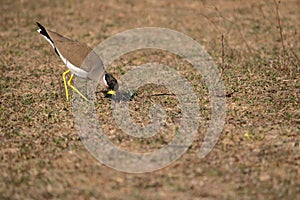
42,156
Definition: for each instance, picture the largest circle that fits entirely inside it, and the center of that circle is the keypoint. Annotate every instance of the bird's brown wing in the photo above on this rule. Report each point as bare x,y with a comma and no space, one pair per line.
77,53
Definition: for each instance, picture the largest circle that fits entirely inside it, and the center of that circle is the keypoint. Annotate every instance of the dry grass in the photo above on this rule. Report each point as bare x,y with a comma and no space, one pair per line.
42,156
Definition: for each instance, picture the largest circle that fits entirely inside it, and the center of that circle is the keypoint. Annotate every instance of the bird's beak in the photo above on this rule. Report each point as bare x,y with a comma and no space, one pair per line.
111,92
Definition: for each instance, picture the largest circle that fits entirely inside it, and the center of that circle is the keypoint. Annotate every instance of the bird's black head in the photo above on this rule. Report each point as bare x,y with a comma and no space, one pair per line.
111,83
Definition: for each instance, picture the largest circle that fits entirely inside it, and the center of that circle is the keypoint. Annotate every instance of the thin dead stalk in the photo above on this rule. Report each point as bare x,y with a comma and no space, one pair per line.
280,30
223,54
238,29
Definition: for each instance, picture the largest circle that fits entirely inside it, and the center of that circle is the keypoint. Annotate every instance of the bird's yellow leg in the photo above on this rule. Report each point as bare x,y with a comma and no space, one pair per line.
75,89
65,83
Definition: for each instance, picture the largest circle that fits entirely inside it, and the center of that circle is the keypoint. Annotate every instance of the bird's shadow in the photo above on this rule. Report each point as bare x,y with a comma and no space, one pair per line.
126,96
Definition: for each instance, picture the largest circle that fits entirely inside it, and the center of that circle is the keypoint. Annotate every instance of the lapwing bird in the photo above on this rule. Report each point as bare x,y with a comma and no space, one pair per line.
74,54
